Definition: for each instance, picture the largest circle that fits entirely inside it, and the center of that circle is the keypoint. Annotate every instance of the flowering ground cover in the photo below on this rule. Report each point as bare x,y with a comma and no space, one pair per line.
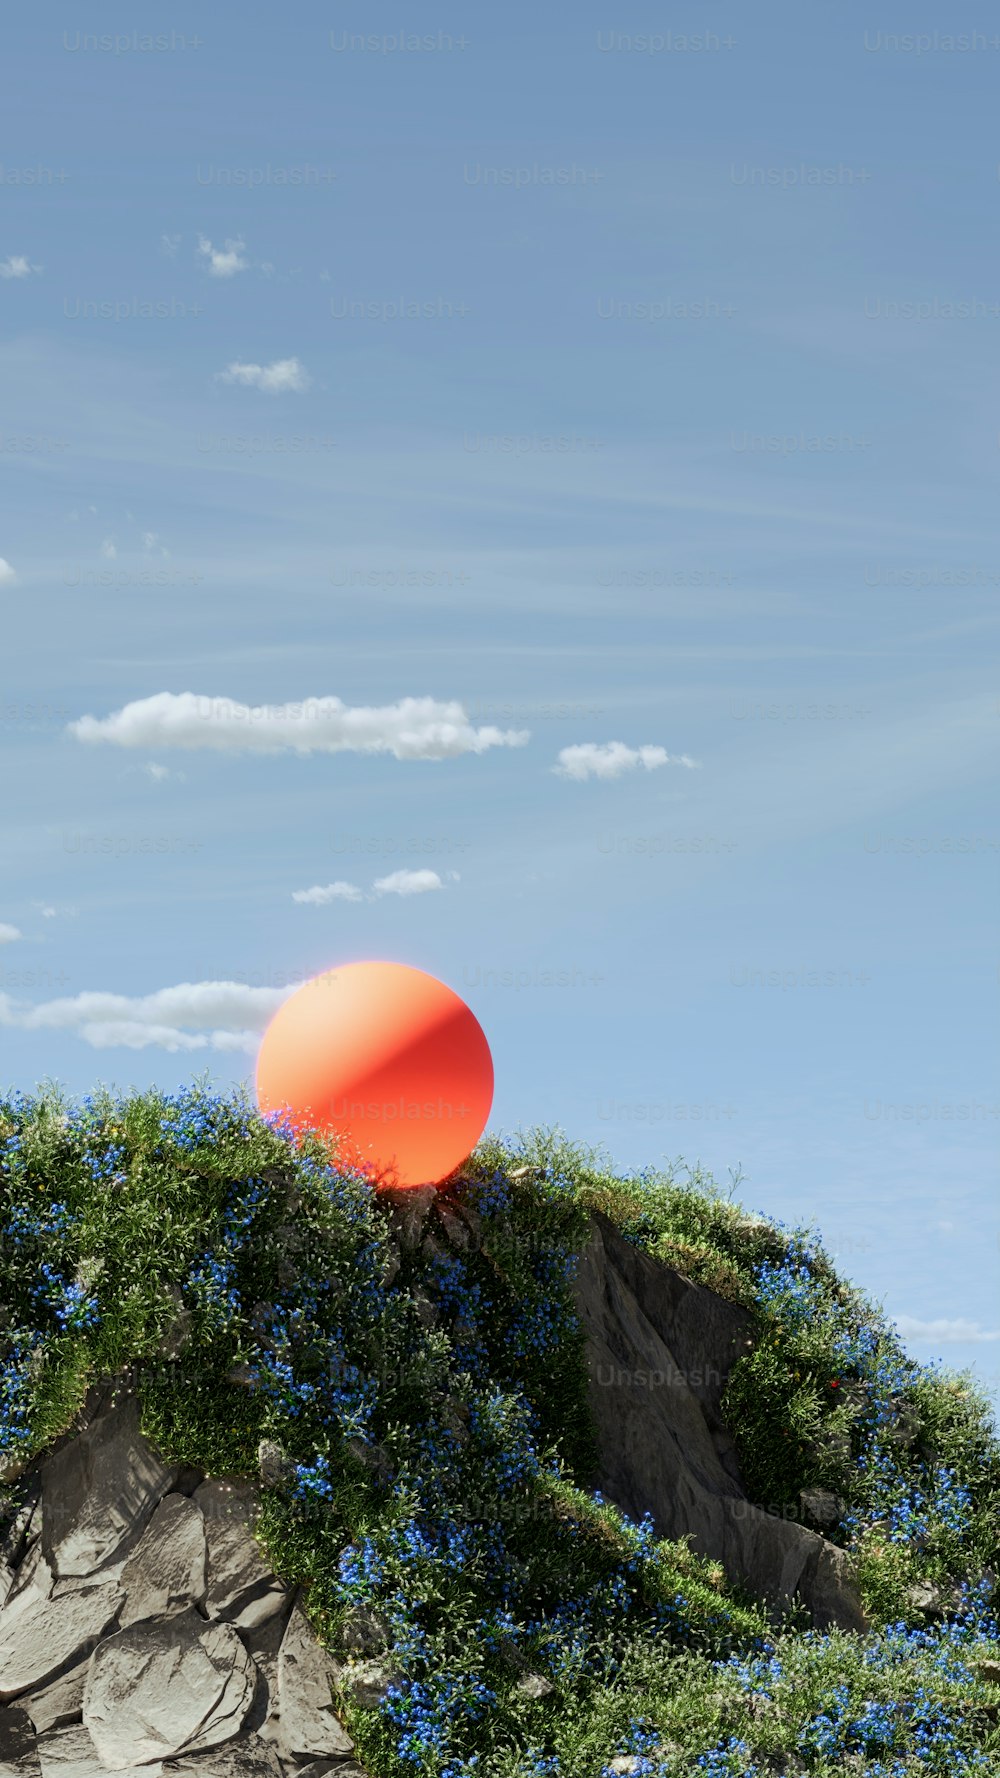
428,1410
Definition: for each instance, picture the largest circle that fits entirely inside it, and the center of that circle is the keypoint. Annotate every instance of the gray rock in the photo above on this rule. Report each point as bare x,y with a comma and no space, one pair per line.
363,1631
18,1757
178,1329
99,1491
22,1527
307,1674
367,1682
166,1571
70,1753
534,1685
923,1595
250,1757
455,1229
408,1207
428,1313
822,1507
46,1627
157,1690
34,1575
659,1351
241,1587
58,1703
331,1768
262,1643
274,1464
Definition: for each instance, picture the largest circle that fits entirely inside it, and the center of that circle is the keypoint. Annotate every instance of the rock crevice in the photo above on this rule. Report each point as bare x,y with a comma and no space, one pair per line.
659,1350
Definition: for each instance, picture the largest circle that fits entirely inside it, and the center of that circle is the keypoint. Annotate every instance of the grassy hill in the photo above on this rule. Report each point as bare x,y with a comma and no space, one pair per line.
430,1442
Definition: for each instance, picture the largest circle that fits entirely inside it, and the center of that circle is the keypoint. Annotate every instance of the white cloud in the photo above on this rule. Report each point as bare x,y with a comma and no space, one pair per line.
944,1332
108,549
16,266
6,572
158,773
46,912
223,262
151,542
413,728
284,375
407,882
320,894
169,244
191,1016
609,759
8,933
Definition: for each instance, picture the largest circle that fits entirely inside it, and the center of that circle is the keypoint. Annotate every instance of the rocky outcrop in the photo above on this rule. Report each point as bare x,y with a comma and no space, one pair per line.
659,1352
141,1630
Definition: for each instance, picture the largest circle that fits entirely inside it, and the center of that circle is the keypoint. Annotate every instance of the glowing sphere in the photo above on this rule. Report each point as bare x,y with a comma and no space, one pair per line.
388,1060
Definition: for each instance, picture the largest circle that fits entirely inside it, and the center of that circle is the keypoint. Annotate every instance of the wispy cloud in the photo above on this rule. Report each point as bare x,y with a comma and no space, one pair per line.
944,1331
413,728
322,893
109,549
609,759
169,245
284,376
223,262
16,266
407,882
223,1016
6,572
398,882
8,933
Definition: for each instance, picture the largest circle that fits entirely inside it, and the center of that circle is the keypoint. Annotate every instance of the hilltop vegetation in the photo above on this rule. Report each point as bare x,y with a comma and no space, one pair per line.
427,1409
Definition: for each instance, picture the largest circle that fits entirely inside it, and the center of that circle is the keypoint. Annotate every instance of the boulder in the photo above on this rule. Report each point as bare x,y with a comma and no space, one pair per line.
46,1628
659,1350
70,1753
159,1689
307,1674
246,1758
166,1571
58,1703
99,1490
262,1643
240,1586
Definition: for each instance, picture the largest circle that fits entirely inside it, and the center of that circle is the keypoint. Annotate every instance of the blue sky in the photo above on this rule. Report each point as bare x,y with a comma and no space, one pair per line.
691,444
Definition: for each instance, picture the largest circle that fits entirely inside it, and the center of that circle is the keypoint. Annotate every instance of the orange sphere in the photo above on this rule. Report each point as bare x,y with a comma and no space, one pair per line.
388,1060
